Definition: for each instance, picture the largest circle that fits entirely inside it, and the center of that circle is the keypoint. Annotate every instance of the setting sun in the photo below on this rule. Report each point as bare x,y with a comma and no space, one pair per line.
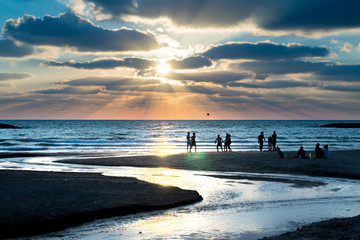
163,68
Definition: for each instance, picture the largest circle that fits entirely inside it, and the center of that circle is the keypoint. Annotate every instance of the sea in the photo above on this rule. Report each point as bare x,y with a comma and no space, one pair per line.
144,137
237,208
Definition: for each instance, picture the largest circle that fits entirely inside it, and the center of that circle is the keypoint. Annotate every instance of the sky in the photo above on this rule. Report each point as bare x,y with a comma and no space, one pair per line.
180,59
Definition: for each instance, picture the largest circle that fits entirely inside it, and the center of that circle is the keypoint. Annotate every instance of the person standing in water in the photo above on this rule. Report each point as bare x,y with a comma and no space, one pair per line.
219,141
193,142
188,141
227,143
274,138
270,143
261,140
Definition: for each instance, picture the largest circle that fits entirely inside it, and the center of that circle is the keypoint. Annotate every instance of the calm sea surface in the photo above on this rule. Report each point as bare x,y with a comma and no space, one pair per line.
161,137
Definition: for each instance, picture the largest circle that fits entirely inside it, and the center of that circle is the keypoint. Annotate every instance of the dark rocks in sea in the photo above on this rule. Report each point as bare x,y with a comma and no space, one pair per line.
2,126
342,125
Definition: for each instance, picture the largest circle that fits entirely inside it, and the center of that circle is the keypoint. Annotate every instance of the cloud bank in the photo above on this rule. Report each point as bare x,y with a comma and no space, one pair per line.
263,51
105,63
14,76
70,30
8,48
304,15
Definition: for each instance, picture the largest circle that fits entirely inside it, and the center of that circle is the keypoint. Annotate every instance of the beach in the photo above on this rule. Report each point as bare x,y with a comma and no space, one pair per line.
84,197
341,164
34,202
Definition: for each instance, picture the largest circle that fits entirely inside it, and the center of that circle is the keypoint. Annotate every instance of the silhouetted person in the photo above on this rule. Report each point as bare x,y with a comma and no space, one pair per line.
261,140
274,140
219,142
227,143
188,141
193,142
270,143
301,153
318,151
326,151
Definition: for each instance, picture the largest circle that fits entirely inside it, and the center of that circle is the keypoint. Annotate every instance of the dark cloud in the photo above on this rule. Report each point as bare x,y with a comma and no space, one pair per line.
280,67
274,84
68,90
342,88
320,70
306,15
264,51
219,77
14,76
132,62
190,63
311,15
8,48
137,63
109,83
70,30
337,72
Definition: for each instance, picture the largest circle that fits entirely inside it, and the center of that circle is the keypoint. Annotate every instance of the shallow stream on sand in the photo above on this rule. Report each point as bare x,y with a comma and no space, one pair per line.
232,208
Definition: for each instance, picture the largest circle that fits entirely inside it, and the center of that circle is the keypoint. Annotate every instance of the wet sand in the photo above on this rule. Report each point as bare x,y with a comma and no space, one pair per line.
342,164
337,228
57,198
39,202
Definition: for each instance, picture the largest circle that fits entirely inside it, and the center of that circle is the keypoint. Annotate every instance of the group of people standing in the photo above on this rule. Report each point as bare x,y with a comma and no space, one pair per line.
227,143
271,141
191,142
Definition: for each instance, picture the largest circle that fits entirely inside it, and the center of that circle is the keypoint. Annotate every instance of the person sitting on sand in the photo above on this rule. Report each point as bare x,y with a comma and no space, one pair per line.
219,142
261,140
279,152
318,151
270,143
301,153
326,151
193,142
188,141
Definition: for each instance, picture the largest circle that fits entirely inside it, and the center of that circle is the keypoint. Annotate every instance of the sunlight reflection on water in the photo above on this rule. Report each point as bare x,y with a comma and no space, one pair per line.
231,209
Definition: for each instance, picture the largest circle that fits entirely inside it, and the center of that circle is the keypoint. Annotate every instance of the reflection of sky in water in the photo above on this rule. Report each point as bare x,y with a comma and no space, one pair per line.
231,209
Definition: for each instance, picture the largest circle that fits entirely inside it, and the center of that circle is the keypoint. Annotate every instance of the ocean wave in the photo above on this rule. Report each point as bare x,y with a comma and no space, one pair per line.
7,144
23,149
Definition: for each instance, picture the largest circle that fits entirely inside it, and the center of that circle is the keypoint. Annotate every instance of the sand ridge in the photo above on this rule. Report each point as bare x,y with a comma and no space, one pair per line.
34,202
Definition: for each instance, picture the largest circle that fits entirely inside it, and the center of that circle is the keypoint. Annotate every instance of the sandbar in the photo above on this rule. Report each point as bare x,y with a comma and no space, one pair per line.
342,164
34,202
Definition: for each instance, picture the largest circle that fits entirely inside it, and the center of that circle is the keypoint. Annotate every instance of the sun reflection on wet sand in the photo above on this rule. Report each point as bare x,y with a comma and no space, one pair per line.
234,209
231,209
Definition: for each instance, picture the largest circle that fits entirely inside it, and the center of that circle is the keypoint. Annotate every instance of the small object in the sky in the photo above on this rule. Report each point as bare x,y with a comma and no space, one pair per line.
208,114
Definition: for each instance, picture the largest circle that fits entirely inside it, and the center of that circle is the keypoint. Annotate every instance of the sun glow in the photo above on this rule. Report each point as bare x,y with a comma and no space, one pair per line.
163,68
